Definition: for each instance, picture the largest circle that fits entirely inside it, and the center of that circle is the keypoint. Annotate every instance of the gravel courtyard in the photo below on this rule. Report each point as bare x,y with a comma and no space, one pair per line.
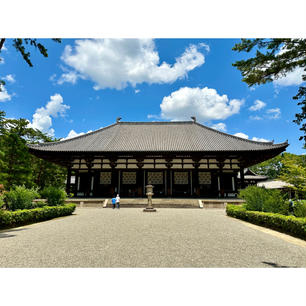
95,237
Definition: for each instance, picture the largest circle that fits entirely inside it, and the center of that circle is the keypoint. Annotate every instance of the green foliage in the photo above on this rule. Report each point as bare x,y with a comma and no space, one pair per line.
254,197
54,196
20,197
288,224
261,199
22,217
1,200
299,208
37,204
270,168
17,165
287,167
275,58
294,172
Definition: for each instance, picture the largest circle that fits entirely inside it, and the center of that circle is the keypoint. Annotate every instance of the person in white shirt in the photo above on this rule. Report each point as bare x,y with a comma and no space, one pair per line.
118,201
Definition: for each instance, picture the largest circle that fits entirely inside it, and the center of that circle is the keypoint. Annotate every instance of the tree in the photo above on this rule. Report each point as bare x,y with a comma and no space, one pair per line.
270,168
20,45
276,58
294,172
17,165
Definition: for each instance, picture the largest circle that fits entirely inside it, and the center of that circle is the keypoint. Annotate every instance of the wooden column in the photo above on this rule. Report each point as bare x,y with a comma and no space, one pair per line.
220,165
68,180
89,164
242,183
140,177
77,178
169,164
195,175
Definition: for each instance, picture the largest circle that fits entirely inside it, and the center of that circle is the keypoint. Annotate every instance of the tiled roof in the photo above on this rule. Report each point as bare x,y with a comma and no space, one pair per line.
181,136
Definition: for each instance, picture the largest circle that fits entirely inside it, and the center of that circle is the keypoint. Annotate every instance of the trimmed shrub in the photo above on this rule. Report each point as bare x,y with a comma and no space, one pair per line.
20,197
288,224
299,208
261,199
54,196
26,216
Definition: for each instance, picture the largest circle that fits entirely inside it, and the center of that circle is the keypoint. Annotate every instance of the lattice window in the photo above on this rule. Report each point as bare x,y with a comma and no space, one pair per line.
129,178
105,178
181,178
204,178
155,178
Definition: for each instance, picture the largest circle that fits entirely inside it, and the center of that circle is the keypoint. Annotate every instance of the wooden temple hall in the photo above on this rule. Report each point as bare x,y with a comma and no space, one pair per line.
180,159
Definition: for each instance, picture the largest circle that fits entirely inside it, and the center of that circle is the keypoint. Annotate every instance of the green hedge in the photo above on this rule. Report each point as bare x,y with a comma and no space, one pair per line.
26,216
287,224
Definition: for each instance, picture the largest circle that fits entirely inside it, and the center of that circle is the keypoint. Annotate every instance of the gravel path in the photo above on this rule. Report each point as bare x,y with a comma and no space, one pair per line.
128,237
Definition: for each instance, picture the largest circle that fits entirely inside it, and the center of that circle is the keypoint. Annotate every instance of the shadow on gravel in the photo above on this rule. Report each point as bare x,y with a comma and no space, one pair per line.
275,265
6,233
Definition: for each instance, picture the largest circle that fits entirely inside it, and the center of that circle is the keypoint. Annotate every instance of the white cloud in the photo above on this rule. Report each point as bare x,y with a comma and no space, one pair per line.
117,63
42,119
73,134
274,113
137,91
260,139
9,78
291,78
219,126
204,103
70,77
257,105
4,95
244,136
255,117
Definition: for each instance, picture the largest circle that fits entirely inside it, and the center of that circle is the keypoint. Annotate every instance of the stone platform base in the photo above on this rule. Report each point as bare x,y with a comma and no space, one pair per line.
157,202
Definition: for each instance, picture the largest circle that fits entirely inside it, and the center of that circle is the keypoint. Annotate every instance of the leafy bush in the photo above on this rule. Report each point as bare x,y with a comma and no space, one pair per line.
20,197
261,199
288,224
37,204
54,196
26,216
1,200
299,208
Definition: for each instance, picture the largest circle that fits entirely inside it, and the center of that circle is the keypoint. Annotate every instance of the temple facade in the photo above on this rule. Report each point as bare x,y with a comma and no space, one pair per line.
180,159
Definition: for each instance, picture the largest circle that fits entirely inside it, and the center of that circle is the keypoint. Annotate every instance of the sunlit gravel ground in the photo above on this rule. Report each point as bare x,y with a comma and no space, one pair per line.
96,237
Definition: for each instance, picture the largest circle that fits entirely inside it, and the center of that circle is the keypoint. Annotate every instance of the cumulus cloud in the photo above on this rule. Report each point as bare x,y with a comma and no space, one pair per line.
219,126
257,105
4,95
274,113
117,63
70,77
73,134
245,136
204,103
9,78
292,78
42,119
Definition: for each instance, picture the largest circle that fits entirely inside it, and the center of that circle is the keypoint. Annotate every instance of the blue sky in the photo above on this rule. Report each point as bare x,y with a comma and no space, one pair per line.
86,84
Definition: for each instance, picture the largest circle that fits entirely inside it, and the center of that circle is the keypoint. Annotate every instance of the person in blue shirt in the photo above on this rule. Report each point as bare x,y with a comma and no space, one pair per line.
114,202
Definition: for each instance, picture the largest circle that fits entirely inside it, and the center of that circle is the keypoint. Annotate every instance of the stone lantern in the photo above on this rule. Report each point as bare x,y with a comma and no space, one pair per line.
149,193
